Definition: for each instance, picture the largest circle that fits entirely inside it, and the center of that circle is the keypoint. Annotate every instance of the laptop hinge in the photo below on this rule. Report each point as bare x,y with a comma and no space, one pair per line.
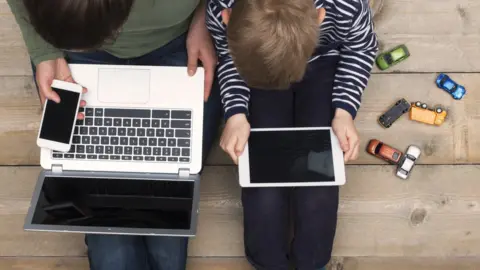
57,168
184,173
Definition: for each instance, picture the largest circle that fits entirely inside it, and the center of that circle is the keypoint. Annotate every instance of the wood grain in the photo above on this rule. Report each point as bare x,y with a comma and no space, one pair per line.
441,35
404,263
452,143
435,213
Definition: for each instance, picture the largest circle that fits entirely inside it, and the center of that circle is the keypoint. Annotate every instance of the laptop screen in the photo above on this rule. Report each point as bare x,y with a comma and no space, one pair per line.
120,203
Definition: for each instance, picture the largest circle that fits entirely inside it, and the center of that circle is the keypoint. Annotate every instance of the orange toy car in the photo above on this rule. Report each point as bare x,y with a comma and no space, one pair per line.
384,151
421,113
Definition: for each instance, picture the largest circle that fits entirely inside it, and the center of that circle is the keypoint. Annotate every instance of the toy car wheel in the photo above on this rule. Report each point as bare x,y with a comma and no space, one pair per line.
418,104
424,106
439,110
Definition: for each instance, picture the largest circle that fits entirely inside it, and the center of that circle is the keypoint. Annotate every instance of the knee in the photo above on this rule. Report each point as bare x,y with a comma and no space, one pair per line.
263,200
313,199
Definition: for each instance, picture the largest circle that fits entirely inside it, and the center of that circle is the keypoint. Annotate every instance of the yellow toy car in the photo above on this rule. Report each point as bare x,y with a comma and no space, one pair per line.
420,112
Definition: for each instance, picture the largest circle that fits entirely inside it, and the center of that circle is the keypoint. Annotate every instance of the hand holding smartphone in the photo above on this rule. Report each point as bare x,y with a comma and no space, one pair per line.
58,120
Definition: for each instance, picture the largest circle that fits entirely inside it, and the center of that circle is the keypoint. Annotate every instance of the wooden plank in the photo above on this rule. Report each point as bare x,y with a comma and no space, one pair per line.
453,142
81,263
434,213
440,35
403,263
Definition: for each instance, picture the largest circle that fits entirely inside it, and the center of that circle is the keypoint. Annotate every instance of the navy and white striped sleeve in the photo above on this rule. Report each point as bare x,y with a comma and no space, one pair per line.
357,56
234,93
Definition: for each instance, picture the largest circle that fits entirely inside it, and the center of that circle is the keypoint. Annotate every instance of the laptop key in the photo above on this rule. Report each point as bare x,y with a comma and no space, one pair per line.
103,157
127,113
99,149
117,122
79,123
151,132
184,159
160,114
140,132
102,131
185,152
95,140
68,156
127,122
182,133
169,132
72,149
105,140
98,122
172,142
122,132
124,141
76,130
114,141
112,131
175,159
137,150
156,123
80,156
147,151
181,124
176,152
90,149
85,139
91,156
88,111
133,141
149,158
157,151
98,112
118,150
128,150
83,130
136,122
181,115
131,132
146,123
76,139
162,142
165,123
126,157
93,131
166,151
89,121
107,122
114,157
143,141
109,150
160,133
137,158
81,149
57,155
161,159
152,142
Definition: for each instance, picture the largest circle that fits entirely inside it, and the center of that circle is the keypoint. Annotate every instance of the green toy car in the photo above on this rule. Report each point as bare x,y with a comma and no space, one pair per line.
392,57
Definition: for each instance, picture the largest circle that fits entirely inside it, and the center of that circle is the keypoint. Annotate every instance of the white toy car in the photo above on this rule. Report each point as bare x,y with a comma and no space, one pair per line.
405,166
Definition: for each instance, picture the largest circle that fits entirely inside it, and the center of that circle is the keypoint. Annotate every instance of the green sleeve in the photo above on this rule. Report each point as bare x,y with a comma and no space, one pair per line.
38,48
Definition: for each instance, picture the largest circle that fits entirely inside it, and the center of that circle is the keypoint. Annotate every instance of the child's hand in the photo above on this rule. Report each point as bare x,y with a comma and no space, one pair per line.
346,132
235,136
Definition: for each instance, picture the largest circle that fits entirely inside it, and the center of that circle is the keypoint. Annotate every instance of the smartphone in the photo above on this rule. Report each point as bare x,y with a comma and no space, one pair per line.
58,120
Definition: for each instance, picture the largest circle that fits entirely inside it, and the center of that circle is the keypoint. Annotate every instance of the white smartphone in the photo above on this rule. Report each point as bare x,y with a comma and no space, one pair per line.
58,120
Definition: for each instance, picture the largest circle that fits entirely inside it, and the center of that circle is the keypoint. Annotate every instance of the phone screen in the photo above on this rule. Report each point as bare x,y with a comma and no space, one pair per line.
58,120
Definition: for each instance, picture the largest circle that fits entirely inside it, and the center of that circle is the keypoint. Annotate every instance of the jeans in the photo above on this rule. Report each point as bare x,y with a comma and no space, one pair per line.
119,252
313,210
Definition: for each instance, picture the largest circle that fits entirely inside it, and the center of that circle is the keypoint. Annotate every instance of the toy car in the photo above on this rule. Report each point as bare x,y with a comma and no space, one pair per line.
421,113
454,89
392,57
384,151
408,161
400,108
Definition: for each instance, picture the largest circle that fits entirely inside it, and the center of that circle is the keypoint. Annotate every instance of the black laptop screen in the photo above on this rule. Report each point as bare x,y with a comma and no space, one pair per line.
120,203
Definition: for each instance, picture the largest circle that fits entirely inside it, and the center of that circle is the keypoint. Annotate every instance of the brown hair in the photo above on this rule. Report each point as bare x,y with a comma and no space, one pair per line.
271,41
77,24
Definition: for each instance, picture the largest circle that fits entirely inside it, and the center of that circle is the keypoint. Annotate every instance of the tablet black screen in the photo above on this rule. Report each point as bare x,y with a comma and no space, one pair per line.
290,156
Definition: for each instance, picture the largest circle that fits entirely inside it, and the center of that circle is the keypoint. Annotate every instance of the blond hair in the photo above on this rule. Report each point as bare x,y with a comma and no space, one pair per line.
271,41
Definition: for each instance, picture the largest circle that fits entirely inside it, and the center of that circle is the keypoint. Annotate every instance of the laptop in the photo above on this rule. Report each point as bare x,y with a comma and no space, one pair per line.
135,159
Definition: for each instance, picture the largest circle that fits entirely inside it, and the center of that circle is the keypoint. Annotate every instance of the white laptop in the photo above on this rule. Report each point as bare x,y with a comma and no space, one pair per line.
135,160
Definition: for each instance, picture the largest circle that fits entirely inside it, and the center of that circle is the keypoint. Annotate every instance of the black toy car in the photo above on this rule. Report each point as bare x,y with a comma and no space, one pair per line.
401,107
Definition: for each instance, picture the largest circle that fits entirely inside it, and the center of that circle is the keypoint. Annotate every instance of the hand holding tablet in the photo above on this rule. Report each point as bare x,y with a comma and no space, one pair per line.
290,157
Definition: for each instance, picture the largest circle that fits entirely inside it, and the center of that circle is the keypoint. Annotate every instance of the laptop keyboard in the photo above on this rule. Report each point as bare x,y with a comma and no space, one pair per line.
131,135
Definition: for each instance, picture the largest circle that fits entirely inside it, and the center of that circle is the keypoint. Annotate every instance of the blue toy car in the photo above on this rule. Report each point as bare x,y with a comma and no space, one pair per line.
454,89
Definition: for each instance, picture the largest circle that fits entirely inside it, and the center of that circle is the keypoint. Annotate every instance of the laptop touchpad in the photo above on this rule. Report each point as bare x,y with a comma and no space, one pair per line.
128,86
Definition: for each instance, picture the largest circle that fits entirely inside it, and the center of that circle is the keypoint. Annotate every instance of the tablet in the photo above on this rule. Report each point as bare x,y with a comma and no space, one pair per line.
291,157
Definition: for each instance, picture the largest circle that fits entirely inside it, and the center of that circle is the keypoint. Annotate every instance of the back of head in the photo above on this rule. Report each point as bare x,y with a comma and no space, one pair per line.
77,24
271,41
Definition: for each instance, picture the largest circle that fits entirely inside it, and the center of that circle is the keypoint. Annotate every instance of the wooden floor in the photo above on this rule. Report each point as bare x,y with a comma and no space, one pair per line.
431,221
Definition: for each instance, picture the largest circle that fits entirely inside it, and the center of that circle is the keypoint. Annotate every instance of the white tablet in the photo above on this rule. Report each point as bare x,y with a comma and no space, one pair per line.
292,157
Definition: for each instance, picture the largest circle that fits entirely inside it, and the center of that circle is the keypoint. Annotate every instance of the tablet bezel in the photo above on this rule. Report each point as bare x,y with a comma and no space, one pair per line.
338,162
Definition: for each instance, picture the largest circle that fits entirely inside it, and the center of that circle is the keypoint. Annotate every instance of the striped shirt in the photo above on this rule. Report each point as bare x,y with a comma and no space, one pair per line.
346,32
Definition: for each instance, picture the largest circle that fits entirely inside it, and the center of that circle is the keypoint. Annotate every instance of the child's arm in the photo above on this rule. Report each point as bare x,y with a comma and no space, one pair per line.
234,93
357,56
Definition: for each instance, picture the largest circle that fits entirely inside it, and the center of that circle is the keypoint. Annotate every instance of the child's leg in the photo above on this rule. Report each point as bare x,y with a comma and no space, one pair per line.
266,210
315,207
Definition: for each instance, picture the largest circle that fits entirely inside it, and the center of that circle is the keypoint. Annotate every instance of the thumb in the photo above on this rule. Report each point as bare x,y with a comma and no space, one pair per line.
192,62
342,138
45,87
240,146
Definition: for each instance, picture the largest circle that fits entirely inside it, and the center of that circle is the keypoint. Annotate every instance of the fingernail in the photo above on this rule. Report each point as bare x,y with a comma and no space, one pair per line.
190,72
